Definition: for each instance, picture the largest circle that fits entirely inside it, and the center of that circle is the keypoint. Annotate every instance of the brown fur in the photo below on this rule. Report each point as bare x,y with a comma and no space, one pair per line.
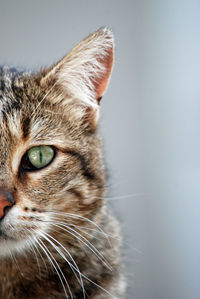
41,109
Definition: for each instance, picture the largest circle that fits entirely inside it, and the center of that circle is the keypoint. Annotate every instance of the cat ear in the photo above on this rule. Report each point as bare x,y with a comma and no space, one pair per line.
85,72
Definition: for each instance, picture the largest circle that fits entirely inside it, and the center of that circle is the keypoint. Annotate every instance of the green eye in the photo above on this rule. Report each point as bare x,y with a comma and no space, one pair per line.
39,156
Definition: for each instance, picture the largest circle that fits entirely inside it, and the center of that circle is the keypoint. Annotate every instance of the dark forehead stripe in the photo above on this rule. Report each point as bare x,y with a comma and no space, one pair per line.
26,127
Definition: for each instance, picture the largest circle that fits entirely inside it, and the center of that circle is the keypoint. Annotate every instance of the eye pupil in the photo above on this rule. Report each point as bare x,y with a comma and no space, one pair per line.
38,157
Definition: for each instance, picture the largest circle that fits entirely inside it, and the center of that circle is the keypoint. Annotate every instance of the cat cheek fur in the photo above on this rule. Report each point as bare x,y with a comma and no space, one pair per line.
62,238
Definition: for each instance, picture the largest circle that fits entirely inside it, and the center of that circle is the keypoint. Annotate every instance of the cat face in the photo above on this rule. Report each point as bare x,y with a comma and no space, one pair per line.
50,158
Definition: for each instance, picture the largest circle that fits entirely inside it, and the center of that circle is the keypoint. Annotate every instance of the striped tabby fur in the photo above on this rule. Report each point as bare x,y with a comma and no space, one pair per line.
59,238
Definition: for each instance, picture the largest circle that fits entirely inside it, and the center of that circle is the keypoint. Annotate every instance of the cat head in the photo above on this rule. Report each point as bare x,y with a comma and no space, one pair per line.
51,162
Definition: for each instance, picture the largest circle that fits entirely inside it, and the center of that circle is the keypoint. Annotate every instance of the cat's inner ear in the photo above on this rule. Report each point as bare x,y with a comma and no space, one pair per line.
85,72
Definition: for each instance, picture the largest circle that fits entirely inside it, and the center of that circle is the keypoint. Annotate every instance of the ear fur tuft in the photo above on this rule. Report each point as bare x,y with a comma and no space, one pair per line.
85,72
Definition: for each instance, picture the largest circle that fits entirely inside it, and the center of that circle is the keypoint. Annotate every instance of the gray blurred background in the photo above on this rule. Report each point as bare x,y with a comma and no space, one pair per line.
149,122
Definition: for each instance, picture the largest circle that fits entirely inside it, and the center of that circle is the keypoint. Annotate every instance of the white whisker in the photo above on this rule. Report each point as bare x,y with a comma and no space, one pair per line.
33,250
15,261
127,196
86,242
99,231
88,279
36,247
67,215
46,236
54,264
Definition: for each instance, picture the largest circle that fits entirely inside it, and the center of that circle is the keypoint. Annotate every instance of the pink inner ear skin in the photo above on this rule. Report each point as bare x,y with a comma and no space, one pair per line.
102,82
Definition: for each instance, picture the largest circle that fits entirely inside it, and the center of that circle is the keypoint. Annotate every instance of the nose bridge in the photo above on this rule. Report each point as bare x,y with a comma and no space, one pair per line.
7,185
6,176
5,181
6,195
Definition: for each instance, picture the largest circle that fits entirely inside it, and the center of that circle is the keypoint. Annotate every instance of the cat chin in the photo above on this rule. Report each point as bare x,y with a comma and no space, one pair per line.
10,246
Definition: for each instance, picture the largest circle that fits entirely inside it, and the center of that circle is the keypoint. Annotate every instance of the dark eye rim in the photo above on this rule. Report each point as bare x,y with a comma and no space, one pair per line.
27,166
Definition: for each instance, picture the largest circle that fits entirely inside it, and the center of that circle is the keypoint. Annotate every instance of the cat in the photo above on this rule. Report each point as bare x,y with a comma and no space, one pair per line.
58,238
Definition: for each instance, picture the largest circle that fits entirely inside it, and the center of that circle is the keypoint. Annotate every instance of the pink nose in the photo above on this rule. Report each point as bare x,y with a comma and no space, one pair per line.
6,201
